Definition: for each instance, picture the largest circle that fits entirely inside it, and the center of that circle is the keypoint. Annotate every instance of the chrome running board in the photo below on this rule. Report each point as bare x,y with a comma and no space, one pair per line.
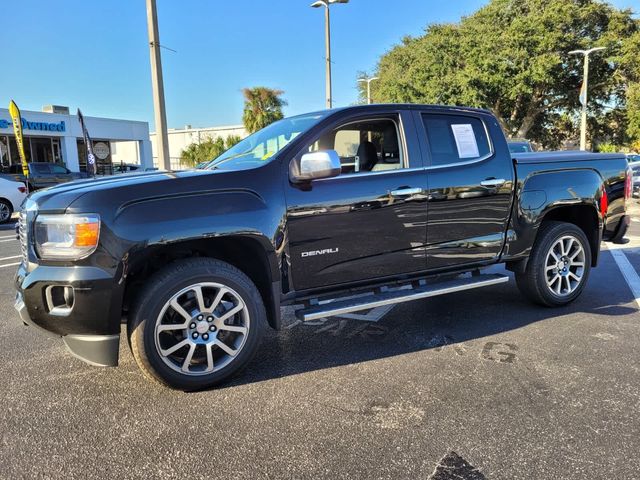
387,296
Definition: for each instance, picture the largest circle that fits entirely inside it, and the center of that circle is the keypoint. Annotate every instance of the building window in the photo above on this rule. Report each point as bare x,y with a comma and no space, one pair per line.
13,150
104,166
41,149
5,161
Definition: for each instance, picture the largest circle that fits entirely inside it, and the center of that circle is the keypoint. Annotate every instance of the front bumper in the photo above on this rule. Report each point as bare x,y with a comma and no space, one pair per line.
91,327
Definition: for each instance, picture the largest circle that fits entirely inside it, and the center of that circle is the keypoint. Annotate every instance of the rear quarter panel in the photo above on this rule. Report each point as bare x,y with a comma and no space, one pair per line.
544,187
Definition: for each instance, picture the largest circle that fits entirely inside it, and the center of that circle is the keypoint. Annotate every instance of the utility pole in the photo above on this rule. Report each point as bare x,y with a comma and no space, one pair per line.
368,80
583,92
327,44
162,139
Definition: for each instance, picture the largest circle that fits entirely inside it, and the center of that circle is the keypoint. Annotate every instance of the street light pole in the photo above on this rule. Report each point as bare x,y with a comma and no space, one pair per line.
327,45
327,49
157,85
368,80
583,92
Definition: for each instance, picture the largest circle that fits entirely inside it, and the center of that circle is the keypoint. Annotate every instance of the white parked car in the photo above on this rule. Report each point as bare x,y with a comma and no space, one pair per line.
12,194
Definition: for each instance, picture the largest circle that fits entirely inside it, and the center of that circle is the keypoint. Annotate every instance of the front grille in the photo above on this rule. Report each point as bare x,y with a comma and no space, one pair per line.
22,236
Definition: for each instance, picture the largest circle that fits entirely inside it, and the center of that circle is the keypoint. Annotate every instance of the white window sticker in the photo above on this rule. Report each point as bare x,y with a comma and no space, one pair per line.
465,140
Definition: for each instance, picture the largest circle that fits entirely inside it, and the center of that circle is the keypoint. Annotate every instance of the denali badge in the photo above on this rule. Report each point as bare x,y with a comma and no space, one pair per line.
313,253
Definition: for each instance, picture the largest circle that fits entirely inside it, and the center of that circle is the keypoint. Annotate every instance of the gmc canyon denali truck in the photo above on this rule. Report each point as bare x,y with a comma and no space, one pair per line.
337,211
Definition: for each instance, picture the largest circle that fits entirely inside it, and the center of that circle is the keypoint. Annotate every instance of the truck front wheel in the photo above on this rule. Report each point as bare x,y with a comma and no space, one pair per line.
6,210
196,323
558,267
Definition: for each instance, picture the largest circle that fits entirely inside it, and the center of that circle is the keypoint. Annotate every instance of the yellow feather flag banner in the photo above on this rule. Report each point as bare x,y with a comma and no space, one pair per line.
14,111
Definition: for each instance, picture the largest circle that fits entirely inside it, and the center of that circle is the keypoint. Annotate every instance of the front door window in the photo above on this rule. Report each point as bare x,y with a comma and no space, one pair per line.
364,146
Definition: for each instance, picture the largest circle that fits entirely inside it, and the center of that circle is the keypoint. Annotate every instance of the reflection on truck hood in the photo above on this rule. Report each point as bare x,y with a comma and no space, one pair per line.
60,197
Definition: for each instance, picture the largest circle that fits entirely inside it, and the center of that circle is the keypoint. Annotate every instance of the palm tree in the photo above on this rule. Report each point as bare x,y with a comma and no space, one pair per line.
262,106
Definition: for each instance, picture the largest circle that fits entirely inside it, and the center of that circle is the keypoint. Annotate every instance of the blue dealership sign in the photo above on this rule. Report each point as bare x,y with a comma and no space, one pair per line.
37,126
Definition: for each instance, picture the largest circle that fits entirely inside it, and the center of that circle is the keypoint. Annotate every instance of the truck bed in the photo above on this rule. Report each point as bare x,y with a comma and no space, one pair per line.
565,156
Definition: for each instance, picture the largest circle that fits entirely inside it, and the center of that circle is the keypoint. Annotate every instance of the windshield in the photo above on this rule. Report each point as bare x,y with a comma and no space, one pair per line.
258,148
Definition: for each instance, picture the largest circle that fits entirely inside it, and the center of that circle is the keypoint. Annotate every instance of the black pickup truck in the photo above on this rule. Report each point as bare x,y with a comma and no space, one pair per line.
337,211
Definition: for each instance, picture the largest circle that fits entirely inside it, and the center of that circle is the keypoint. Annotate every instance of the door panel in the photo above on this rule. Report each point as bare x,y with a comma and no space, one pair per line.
469,198
370,221
353,228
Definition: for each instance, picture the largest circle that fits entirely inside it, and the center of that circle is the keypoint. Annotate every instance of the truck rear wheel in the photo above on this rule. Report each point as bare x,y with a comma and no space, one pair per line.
558,267
196,323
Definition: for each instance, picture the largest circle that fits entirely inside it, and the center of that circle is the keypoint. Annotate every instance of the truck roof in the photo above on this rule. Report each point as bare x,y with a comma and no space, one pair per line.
407,106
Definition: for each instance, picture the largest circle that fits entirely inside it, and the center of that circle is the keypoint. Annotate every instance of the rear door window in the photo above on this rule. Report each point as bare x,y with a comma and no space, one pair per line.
455,138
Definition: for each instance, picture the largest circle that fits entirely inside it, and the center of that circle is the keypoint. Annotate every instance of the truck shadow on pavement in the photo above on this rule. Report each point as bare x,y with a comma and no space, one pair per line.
441,322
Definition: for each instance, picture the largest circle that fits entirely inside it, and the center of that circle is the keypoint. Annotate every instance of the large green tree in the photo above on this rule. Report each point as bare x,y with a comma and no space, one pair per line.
630,61
207,150
511,57
262,106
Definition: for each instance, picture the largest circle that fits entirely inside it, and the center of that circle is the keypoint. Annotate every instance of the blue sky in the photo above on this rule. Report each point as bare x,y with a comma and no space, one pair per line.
94,54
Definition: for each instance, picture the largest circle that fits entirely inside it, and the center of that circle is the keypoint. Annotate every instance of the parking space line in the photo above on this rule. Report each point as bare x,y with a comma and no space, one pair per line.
9,258
14,239
9,236
10,265
628,272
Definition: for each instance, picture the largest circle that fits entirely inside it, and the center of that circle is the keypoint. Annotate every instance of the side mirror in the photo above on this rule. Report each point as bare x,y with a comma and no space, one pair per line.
316,165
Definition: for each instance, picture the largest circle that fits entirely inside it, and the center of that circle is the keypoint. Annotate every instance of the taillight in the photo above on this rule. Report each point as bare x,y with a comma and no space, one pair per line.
604,202
22,189
628,183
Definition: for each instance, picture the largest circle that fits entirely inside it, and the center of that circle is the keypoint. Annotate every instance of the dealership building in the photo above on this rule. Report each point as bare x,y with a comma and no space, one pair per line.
55,136
181,138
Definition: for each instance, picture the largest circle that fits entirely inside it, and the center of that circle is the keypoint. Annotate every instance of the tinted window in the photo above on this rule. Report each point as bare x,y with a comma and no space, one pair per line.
40,168
58,169
455,138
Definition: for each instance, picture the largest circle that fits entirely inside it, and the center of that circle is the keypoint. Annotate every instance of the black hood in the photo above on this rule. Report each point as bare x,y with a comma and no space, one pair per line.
61,197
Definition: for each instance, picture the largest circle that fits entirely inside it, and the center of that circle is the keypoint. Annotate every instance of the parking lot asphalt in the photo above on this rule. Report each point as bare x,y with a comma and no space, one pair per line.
477,384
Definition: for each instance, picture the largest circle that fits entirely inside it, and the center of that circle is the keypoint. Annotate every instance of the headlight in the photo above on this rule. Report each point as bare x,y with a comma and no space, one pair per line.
66,237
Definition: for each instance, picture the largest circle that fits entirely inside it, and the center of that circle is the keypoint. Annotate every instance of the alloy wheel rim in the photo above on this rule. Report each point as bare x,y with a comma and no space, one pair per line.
565,266
201,328
4,212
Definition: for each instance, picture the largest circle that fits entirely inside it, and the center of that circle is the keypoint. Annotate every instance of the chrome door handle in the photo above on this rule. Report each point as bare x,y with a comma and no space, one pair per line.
493,182
403,192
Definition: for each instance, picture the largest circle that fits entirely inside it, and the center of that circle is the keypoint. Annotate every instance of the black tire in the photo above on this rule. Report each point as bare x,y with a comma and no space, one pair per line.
159,290
6,211
533,282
